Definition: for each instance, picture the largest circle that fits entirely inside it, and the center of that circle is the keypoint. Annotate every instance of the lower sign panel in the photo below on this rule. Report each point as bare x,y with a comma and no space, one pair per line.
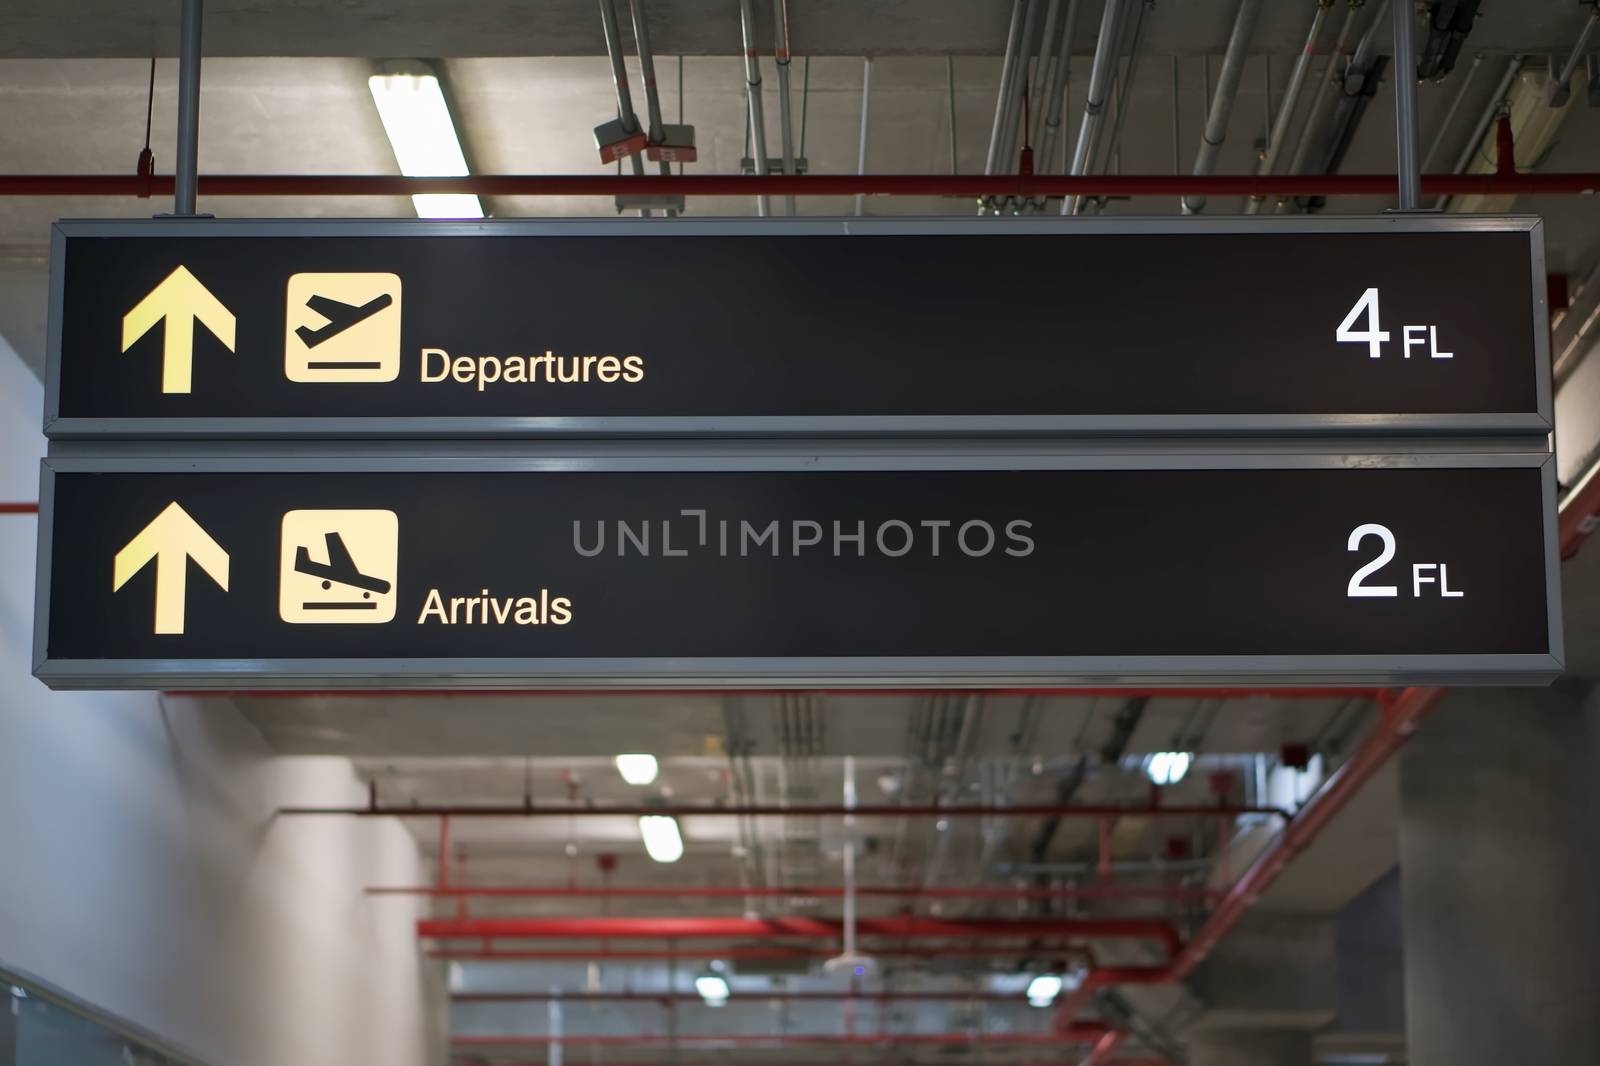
814,571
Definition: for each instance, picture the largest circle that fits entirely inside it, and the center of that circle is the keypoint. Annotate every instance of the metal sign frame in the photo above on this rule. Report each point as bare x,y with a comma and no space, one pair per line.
500,426
975,672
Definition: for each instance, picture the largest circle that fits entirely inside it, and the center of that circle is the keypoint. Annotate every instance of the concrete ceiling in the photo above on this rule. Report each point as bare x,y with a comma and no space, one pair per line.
399,28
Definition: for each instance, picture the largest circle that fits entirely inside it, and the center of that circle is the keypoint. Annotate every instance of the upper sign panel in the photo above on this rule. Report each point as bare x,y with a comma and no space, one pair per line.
212,328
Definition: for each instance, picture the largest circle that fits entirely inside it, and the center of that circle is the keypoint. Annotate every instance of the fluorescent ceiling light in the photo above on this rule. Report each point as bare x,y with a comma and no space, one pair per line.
637,769
713,988
661,837
1167,767
1043,990
417,120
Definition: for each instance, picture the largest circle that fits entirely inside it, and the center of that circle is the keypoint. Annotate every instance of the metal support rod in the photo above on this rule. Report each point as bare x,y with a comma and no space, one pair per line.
866,116
1481,128
1407,165
1570,68
619,70
1100,71
1221,108
1041,72
1450,113
752,84
647,73
187,167
1008,70
1291,99
950,85
1054,98
1006,159
780,52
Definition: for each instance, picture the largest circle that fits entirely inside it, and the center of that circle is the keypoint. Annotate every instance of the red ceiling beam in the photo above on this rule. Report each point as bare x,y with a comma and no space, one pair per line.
738,997
745,952
698,928
19,508
970,186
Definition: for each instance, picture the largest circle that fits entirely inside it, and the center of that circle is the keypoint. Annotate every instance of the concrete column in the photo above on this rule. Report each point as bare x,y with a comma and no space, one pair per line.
1255,1047
1500,863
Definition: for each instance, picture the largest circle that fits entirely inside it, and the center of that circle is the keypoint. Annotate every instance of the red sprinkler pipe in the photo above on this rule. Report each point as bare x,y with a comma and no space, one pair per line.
969,186
664,998
983,892
19,508
1235,693
788,927
1400,718
745,952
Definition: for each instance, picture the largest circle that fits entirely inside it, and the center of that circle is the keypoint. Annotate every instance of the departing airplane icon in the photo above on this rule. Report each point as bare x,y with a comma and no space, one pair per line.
340,315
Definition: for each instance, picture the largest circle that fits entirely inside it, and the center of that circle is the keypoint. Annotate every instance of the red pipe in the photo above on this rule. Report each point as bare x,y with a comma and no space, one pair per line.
670,928
888,810
735,997
959,185
1400,718
737,952
1079,1034
19,508
986,892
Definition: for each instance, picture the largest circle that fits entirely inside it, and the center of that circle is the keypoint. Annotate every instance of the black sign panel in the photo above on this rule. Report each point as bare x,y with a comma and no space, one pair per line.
211,328
482,571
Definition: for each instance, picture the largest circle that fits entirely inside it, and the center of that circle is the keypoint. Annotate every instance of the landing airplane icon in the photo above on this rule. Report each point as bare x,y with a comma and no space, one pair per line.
340,315
339,568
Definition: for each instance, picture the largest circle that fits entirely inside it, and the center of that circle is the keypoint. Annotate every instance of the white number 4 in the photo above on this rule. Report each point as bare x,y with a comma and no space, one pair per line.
1374,335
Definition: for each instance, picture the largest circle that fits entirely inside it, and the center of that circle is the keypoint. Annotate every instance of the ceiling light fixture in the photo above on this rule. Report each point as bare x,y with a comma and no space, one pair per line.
1043,990
713,988
417,120
662,839
637,769
1167,767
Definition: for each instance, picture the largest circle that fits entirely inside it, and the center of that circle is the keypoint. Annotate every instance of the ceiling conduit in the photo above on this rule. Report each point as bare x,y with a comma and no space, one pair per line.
1216,131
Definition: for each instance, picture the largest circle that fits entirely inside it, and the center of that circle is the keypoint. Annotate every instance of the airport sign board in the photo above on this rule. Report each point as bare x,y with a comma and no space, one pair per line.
185,328
828,564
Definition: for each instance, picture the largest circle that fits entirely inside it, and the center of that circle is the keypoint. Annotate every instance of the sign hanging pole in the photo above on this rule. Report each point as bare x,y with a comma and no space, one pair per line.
188,161
1405,106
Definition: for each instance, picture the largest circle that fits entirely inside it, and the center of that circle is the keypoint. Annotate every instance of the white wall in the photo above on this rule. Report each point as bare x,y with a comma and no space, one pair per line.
141,868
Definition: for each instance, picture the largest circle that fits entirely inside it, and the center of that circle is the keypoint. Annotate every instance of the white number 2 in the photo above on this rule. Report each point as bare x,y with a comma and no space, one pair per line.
1357,535
1374,335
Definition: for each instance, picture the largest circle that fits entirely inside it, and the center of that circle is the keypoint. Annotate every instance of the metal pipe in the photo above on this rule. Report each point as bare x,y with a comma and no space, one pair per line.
1060,71
1481,127
619,69
1125,95
931,810
950,83
954,185
1094,105
1291,99
780,18
757,116
849,947
1006,161
792,927
1008,70
1570,67
1216,129
1041,74
989,893
1405,106
1450,113
647,73
187,163
866,114
1313,123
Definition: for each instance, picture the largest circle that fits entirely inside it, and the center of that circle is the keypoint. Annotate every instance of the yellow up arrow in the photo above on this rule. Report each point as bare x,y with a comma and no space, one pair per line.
171,540
180,300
